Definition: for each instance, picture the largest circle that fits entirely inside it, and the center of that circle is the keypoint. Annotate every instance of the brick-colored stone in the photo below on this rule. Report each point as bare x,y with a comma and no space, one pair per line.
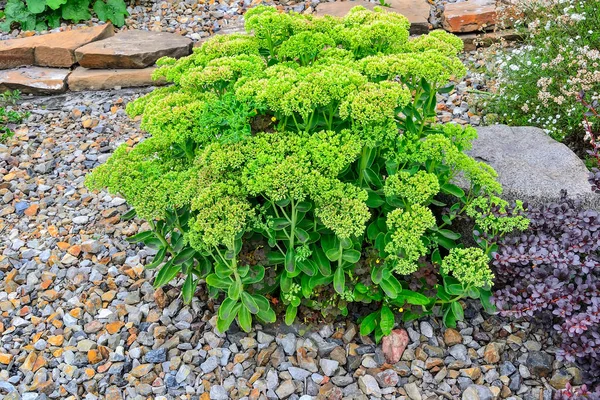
470,16
417,11
132,49
98,79
34,80
394,345
51,50
58,49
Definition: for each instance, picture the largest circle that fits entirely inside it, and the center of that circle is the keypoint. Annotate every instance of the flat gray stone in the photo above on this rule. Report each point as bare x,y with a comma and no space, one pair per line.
532,166
133,49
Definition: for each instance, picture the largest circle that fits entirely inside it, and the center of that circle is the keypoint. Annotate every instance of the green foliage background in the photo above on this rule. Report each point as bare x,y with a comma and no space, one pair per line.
40,15
301,162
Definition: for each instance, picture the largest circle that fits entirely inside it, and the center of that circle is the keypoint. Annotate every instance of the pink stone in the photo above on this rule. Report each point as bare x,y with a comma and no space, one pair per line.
394,345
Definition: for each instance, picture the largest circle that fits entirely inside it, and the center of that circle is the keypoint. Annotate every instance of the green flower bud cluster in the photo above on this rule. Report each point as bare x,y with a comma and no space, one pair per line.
304,46
470,266
148,176
415,189
292,295
407,228
491,214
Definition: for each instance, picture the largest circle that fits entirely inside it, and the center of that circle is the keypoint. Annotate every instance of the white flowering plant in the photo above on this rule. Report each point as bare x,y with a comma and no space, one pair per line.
300,166
537,81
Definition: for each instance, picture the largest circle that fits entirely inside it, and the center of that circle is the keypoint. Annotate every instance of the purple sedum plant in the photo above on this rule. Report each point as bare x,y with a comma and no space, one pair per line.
582,393
552,271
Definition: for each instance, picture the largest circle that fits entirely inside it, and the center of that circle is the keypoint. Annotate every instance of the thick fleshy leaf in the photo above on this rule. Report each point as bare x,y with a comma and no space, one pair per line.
184,255
189,288
351,255
235,289
166,274
290,314
249,302
220,283
244,319
369,323
339,280
387,320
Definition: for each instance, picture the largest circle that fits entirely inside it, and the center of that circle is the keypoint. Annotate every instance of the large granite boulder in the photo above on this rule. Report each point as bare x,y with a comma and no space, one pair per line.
532,166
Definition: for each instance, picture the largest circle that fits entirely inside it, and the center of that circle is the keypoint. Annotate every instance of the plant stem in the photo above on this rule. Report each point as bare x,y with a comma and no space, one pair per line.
293,225
160,237
362,165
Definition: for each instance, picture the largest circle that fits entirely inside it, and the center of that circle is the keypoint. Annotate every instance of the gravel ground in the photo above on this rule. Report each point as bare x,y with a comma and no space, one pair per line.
79,317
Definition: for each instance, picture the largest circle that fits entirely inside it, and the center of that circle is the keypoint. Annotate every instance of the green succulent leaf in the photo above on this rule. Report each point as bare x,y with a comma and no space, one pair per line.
184,256
290,314
220,283
387,320
339,280
458,311
369,323
250,303
158,259
225,320
454,190
189,288
235,289
414,298
166,274
333,254
244,318
351,255
140,237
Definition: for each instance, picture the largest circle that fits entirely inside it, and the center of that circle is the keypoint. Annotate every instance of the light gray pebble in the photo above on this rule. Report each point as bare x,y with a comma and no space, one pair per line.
426,329
298,374
209,365
218,392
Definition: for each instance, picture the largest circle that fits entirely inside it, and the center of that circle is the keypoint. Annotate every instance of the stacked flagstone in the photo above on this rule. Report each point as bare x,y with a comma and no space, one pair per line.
101,60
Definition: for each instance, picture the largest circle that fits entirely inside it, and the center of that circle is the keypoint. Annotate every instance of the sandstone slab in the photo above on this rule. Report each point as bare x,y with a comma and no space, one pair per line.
34,80
469,16
58,49
16,53
51,50
133,49
100,79
417,11
532,166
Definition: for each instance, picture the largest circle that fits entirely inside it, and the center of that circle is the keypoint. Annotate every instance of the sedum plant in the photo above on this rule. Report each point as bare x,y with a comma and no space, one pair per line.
300,164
